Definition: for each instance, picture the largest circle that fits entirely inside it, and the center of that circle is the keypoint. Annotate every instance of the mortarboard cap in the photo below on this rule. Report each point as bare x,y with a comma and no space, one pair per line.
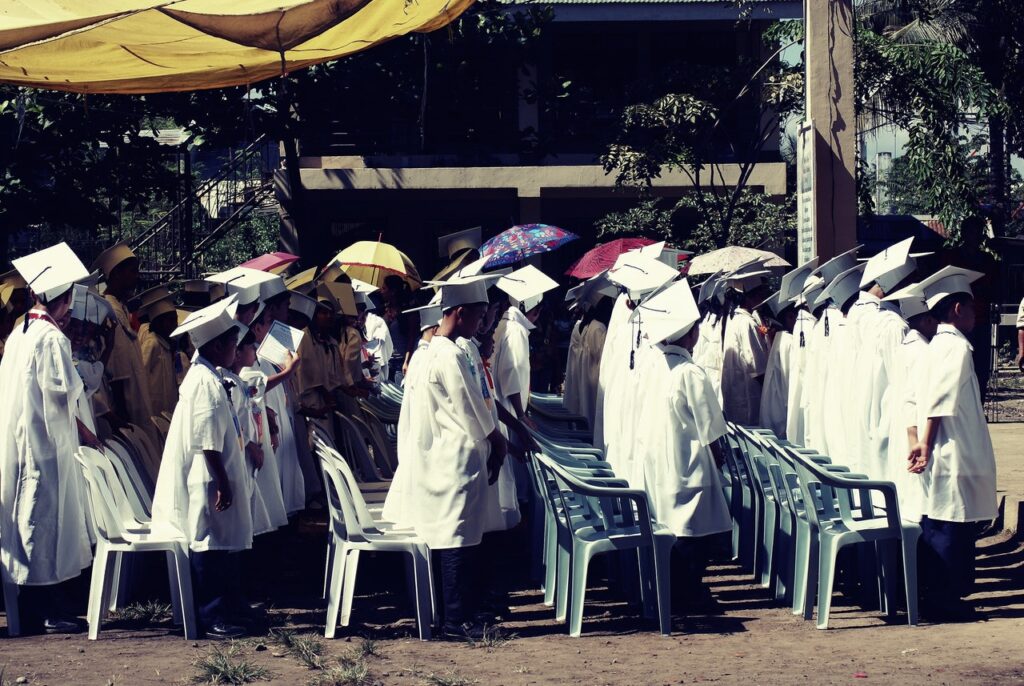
464,290
793,281
838,264
843,287
303,304
891,266
49,273
775,303
13,279
148,297
454,243
707,287
339,296
89,306
910,300
640,274
202,326
244,283
107,260
945,282
430,314
813,288
747,277
301,282
668,314
527,286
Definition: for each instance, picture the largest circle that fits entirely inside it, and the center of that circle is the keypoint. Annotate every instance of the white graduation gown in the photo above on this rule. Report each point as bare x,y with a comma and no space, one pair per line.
812,392
571,384
444,447
835,399
708,352
614,356
961,475
777,377
591,349
803,333
511,362
186,493
242,404
378,341
745,356
909,375
268,479
502,510
881,332
676,466
293,486
43,537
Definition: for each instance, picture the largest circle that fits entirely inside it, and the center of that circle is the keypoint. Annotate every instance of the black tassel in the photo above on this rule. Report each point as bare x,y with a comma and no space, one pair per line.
632,358
826,323
802,342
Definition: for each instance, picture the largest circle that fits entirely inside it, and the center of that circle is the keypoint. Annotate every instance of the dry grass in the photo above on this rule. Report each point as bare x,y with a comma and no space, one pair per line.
143,613
227,665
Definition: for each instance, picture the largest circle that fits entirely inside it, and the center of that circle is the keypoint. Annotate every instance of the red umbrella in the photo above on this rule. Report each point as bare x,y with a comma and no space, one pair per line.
273,262
603,256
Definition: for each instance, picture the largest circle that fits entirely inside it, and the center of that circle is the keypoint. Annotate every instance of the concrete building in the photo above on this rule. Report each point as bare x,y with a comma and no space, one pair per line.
380,178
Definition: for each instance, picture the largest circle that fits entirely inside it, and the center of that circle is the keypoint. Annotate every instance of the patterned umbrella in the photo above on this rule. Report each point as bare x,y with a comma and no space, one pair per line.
516,244
603,256
732,257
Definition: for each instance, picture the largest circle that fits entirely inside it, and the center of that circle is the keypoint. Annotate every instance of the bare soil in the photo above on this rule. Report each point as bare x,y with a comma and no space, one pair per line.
754,641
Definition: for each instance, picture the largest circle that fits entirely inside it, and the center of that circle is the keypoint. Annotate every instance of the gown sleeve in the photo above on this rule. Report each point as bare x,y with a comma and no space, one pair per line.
456,379
702,399
945,381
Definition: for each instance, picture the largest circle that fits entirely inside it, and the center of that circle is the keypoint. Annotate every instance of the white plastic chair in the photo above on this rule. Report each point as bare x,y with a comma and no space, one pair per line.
106,500
353,536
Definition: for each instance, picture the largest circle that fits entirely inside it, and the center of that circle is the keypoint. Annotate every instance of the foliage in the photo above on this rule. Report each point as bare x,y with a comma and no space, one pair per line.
143,613
226,665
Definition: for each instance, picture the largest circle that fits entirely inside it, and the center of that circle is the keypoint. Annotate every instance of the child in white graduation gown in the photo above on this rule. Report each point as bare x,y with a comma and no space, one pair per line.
745,351
955,455
201,490
677,444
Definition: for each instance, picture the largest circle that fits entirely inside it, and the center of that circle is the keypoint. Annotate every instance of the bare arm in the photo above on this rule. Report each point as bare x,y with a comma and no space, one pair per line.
220,477
921,453
290,365
1020,349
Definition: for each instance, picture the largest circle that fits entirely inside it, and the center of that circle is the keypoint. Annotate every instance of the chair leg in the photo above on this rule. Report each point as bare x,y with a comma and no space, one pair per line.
185,597
909,551
550,562
172,582
663,583
888,560
101,568
562,569
351,569
335,590
578,589
424,591
811,586
800,552
826,579
11,606
116,582
327,563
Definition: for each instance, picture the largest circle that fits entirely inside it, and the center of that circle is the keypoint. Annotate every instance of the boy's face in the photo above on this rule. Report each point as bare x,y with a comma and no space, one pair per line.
246,355
966,316
468,319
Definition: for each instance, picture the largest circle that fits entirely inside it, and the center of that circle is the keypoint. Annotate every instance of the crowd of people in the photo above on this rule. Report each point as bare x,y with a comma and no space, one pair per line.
866,362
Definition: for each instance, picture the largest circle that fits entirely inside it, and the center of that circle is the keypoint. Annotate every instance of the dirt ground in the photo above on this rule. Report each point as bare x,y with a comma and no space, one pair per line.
753,641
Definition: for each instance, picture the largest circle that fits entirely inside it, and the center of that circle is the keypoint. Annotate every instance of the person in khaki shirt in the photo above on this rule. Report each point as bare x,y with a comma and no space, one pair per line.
319,377
125,370
163,363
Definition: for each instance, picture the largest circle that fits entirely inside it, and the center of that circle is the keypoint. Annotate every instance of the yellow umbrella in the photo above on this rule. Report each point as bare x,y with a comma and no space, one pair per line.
148,46
373,261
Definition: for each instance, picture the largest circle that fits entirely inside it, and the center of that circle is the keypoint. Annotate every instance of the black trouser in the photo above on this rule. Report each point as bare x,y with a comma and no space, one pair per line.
690,557
946,560
39,603
460,583
216,584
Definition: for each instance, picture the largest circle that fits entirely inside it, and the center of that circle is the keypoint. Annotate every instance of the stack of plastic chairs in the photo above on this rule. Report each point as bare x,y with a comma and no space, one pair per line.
355,530
117,532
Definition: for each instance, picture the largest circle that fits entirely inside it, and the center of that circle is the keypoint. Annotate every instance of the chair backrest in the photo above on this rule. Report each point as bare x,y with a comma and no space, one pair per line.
149,457
162,425
105,504
377,450
355,447
361,511
340,490
381,440
116,460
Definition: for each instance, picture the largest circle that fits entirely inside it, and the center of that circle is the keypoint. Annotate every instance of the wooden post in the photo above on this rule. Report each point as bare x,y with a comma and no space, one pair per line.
828,56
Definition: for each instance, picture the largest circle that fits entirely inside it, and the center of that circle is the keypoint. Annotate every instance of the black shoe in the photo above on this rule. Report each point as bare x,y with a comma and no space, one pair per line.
954,612
222,631
467,631
61,626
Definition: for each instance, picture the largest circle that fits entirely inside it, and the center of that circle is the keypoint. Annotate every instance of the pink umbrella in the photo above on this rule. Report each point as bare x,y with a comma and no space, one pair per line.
273,262
603,256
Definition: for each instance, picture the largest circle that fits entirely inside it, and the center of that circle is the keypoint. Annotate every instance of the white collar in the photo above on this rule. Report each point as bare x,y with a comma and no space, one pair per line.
674,350
513,314
950,329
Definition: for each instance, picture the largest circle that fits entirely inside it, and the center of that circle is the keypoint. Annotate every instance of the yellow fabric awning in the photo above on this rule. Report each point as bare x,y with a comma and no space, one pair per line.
135,46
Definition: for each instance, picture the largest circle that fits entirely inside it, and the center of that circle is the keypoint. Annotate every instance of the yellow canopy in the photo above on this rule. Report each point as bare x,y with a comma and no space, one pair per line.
140,46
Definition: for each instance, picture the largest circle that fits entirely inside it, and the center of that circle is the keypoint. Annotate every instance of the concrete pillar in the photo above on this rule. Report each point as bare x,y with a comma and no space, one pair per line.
828,26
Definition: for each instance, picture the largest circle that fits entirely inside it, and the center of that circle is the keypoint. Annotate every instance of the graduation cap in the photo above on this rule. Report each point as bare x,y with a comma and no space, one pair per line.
303,304
333,273
793,281
89,306
891,266
157,308
52,271
747,277
198,293
707,287
775,303
464,290
108,260
945,282
245,284
813,288
910,300
13,279
272,287
527,286
838,264
202,326
843,287
148,297
430,314
453,244
668,314
640,274
339,296
301,282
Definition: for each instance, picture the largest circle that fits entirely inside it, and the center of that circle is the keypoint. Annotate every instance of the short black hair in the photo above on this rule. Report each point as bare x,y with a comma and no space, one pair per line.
944,308
222,338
